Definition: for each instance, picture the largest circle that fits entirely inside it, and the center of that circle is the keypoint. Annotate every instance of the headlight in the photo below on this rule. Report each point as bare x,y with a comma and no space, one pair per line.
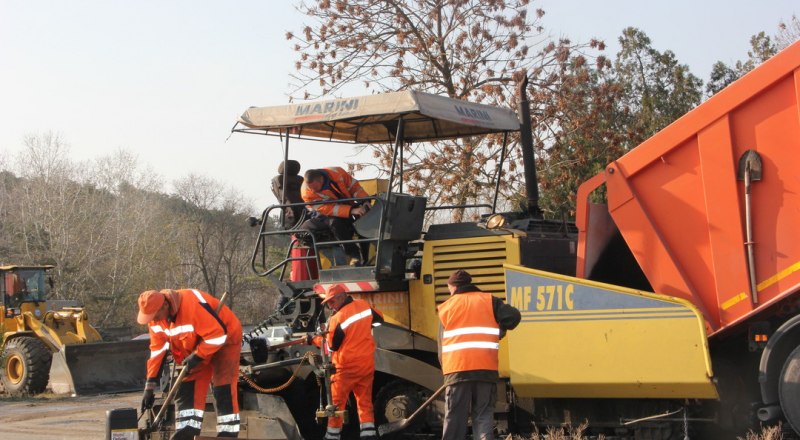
496,221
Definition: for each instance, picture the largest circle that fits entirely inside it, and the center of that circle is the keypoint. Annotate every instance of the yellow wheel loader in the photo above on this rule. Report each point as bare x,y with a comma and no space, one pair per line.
58,348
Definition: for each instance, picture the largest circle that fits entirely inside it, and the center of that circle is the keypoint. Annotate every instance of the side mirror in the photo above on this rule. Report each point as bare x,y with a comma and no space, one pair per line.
253,221
50,282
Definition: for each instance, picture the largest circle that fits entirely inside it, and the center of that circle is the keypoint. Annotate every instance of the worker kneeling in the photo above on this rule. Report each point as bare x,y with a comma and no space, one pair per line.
206,339
350,340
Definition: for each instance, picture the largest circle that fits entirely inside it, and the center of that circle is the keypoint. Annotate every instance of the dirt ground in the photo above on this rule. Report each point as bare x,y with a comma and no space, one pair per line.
51,417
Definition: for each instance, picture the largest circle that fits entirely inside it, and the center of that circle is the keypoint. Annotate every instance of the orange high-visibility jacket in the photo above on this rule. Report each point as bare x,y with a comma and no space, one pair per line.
197,327
350,336
339,185
471,337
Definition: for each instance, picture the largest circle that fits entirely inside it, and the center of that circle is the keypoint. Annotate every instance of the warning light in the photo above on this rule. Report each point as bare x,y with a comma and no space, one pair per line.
758,336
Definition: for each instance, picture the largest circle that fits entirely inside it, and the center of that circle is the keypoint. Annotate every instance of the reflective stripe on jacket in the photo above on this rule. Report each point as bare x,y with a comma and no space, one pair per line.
471,337
339,185
197,327
350,336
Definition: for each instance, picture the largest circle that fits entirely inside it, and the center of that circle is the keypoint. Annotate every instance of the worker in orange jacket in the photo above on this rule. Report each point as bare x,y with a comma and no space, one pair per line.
473,322
330,185
349,338
207,342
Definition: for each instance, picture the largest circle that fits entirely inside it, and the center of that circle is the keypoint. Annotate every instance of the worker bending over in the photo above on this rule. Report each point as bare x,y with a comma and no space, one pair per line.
473,322
349,338
331,184
207,342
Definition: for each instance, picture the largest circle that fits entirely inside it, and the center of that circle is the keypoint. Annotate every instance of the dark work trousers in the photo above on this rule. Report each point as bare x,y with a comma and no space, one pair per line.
342,229
465,399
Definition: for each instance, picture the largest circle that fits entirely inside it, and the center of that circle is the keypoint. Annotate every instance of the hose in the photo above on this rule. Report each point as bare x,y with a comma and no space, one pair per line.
250,381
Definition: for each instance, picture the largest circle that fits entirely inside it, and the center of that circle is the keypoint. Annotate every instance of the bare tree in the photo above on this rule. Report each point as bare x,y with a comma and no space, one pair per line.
139,236
111,232
99,223
788,32
465,49
55,213
221,240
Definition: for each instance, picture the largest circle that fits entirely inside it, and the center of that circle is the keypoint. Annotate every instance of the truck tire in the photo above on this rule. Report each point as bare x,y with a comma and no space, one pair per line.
26,366
789,389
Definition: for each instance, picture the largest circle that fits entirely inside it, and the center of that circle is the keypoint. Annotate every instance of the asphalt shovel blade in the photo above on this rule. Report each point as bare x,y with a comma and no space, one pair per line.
392,427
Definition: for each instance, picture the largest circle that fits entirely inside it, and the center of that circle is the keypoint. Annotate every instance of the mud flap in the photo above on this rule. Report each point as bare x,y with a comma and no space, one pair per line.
100,367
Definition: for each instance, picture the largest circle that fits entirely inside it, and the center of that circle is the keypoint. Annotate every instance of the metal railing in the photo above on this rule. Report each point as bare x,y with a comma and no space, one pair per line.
269,238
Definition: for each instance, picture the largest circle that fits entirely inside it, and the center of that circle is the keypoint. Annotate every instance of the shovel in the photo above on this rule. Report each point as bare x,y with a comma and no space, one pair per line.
399,425
168,399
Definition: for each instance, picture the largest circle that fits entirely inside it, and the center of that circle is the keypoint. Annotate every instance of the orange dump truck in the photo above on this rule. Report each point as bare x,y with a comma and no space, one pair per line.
708,211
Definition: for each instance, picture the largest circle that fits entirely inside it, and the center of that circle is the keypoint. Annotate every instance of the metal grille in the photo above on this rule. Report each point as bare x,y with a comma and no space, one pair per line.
484,261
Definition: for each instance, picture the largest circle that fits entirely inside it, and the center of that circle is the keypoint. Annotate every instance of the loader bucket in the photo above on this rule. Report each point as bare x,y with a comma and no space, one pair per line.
100,367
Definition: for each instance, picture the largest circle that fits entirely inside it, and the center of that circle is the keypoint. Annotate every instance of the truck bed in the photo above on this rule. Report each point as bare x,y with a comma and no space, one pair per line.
678,199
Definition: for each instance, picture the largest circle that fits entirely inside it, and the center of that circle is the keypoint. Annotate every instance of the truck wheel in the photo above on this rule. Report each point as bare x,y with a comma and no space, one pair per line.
789,389
26,367
397,400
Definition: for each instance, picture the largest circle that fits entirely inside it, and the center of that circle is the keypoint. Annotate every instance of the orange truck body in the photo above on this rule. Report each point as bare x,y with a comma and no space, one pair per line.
678,199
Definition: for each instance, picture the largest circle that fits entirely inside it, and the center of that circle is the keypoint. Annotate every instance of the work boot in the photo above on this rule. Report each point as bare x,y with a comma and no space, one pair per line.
368,431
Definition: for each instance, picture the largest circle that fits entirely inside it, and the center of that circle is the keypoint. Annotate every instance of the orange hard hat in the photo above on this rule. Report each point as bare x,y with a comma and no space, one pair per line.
330,292
150,302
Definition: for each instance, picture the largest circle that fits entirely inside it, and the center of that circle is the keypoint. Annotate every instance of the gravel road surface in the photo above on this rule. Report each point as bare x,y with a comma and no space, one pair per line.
57,417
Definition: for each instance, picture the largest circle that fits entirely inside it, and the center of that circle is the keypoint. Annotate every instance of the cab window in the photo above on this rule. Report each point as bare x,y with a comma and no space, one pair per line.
25,286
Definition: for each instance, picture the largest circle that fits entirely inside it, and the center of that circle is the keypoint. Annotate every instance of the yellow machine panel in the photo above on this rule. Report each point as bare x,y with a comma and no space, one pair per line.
483,257
580,338
393,305
374,186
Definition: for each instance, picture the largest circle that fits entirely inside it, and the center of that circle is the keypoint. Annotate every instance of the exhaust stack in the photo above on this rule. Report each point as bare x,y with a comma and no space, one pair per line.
526,142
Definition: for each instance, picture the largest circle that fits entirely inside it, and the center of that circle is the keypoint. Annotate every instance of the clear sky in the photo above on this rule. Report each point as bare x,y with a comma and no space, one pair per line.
166,79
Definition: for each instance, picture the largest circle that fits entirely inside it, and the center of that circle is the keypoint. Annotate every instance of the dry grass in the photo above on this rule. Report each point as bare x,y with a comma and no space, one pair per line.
767,433
567,432
577,433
